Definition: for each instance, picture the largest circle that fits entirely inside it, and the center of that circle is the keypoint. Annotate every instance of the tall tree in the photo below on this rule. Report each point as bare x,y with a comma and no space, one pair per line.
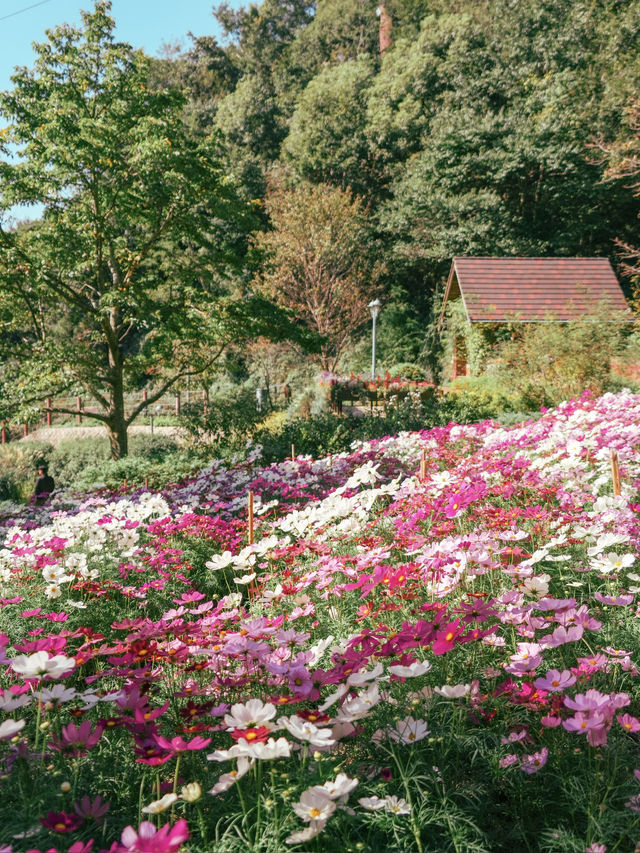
120,281
318,263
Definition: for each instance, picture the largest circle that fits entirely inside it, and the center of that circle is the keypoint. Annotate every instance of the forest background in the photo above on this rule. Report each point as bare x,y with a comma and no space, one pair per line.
355,149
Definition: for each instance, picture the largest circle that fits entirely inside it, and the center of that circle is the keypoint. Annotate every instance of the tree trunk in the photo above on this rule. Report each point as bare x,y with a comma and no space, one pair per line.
117,424
118,438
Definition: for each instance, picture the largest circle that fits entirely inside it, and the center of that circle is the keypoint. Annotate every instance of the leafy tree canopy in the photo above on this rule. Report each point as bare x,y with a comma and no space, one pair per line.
123,279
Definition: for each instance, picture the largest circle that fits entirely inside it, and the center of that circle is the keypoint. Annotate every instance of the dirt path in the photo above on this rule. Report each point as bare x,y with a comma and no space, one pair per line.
54,435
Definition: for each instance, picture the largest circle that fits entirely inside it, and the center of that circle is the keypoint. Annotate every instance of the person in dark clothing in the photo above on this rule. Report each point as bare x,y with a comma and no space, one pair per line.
43,487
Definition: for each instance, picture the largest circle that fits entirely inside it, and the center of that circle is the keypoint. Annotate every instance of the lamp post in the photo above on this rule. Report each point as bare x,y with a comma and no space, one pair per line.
374,308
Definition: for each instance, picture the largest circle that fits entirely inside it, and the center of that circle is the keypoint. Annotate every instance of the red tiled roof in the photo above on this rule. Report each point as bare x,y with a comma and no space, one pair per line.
529,289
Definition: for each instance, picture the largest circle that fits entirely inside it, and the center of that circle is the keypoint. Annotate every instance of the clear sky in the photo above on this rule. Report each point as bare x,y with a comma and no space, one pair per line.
142,23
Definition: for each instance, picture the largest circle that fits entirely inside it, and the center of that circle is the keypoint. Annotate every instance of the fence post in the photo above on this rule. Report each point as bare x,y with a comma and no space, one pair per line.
48,402
79,407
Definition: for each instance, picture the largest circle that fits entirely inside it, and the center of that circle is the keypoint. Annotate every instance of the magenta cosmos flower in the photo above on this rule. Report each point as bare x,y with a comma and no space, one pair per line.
178,744
61,822
77,740
148,839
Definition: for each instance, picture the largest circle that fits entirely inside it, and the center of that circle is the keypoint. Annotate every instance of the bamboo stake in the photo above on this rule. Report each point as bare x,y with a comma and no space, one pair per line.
293,452
423,466
250,503
615,474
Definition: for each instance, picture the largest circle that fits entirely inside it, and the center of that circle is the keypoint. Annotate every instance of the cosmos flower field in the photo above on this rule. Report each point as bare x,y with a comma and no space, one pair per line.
397,663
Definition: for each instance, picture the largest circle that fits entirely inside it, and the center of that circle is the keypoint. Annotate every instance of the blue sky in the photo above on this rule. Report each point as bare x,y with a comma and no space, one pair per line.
142,23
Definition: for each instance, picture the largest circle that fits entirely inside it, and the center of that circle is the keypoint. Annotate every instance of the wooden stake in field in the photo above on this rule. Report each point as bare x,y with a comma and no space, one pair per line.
250,506
615,474
423,466
293,452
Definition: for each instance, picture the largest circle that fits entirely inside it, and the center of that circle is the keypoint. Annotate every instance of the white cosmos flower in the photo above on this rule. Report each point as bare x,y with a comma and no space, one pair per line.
191,792
607,540
414,669
228,779
307,731
220,561
315,804
315,828
40,665
409,731
280,748
250,714
373,804
606,563
159,806
453,691
245,579
537,585
359,706
365,675
395,805
52,591
10,728
341,786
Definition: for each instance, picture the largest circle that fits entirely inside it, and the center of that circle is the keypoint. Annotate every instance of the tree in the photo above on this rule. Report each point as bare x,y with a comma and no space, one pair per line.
623,166
121,282
317,262
326,141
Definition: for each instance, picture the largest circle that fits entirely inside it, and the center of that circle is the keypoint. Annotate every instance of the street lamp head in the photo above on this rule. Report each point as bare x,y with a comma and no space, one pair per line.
374,308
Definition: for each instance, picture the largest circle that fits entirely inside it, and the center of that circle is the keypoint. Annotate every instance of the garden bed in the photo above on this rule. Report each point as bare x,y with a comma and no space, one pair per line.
396,663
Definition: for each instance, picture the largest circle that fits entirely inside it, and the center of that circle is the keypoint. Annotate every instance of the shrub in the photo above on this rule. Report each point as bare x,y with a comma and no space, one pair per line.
230,414
404,370
18,468
550,362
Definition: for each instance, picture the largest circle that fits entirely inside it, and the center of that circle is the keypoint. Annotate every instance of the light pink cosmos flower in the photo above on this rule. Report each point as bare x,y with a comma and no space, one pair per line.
555,681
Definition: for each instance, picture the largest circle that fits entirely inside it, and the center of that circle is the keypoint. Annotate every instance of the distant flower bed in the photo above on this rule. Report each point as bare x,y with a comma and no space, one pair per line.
445,662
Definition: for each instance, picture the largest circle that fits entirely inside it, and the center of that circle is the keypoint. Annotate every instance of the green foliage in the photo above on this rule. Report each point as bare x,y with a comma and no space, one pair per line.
82,463
229,418
95,290
19,468
408,409
317,263
326,141
549,362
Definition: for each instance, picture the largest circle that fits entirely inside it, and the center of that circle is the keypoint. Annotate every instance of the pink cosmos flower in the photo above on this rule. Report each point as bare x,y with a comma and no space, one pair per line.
77,740
555,681
96,808
178,744
148,839
536,761
629,723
